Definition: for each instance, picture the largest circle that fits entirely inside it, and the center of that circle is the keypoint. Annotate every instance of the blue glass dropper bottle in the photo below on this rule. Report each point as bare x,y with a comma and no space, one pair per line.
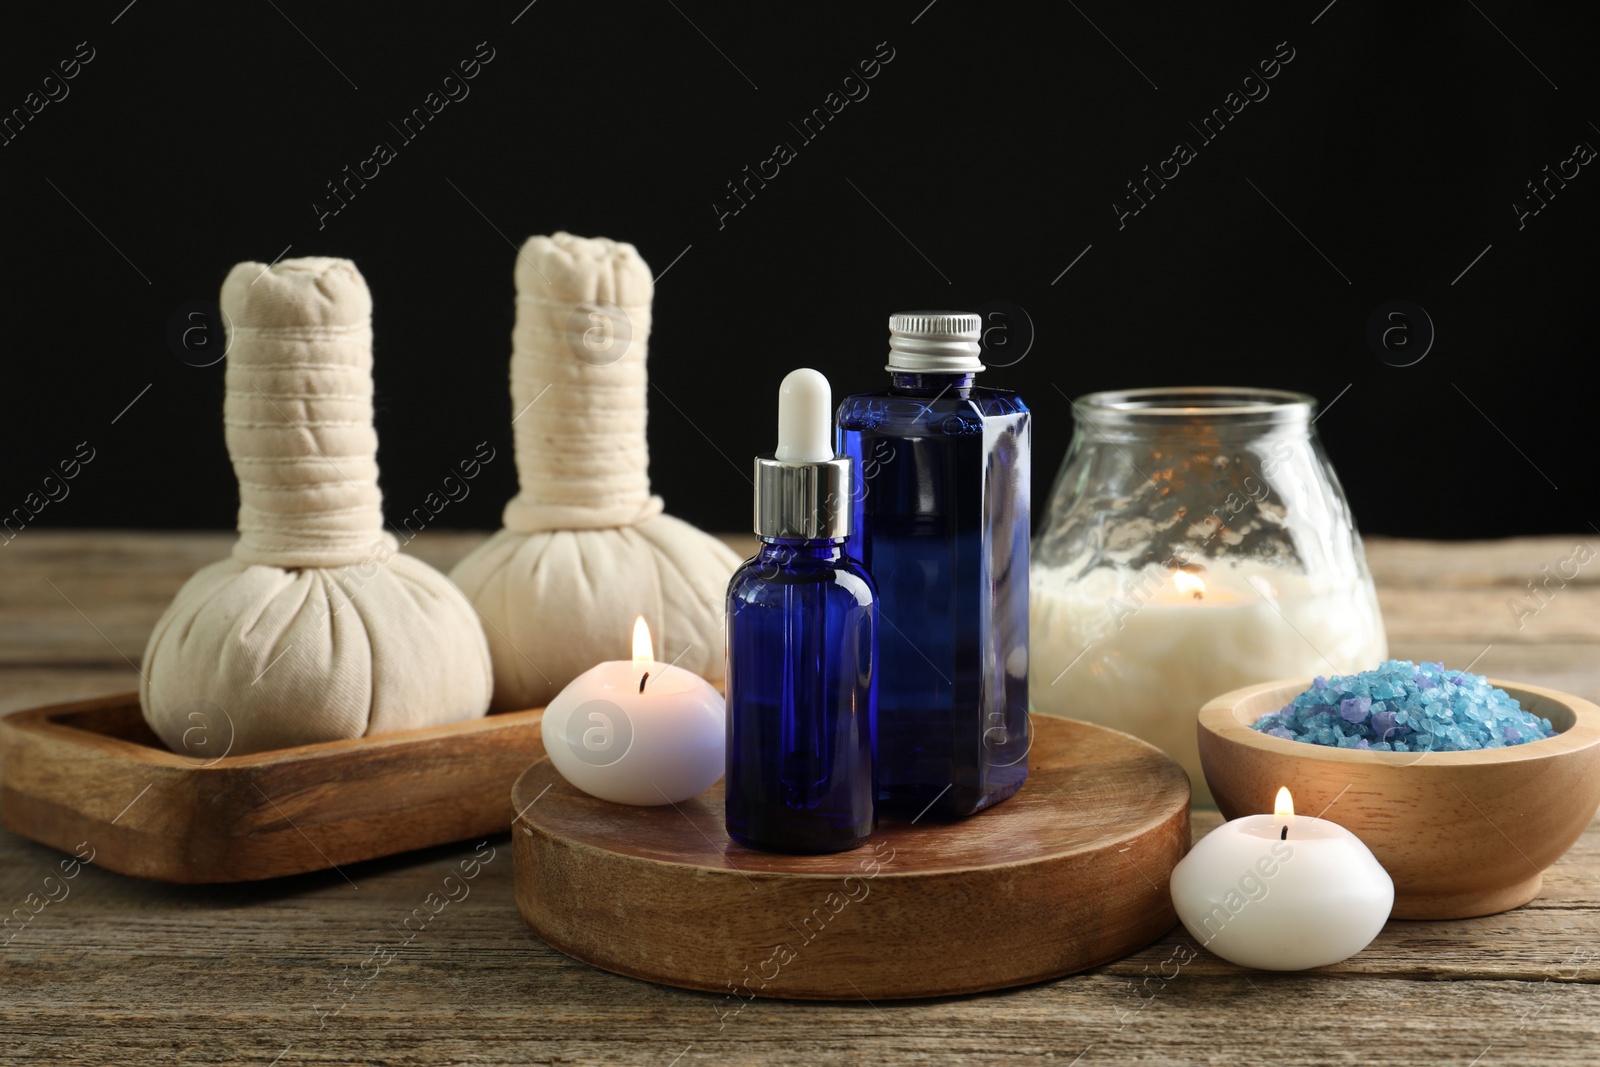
802,646
941,521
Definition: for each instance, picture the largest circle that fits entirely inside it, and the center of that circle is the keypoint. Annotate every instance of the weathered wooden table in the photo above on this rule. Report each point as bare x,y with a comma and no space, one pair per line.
123,971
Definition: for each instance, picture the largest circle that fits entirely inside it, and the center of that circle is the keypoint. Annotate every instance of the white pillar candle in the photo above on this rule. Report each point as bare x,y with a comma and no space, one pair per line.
1142,651
1282,892
637,731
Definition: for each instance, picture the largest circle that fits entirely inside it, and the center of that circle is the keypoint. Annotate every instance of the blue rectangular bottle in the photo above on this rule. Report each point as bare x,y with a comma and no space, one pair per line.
802,638
940,520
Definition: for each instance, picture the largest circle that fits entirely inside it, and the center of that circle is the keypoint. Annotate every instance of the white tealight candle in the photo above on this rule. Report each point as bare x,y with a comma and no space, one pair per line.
637,731
1282,892
1142,651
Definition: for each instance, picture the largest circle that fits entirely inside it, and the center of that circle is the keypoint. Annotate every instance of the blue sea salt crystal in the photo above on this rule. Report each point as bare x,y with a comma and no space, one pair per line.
1406,707
1355,709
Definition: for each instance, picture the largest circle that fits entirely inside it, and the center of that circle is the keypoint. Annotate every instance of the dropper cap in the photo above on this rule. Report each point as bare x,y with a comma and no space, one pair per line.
805,418
803,488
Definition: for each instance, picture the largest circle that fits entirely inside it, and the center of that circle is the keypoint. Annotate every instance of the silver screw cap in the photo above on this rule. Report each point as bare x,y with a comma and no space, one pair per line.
934,342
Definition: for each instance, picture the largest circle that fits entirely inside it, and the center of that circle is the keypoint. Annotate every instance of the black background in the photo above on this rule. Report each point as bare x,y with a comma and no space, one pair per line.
984,161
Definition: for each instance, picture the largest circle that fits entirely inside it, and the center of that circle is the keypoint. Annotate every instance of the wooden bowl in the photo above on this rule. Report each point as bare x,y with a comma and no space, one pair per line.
1461,833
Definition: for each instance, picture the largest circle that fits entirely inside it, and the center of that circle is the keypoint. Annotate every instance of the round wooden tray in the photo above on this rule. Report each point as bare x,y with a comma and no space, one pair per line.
1069,873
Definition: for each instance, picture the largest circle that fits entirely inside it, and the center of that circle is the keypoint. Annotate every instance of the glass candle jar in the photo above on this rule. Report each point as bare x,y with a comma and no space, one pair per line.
1196,541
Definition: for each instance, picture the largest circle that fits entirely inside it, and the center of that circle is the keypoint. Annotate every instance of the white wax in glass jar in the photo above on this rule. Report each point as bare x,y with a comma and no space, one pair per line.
1137,650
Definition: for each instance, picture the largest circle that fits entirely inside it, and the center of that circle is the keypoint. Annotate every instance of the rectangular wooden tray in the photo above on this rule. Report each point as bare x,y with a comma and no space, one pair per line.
90,775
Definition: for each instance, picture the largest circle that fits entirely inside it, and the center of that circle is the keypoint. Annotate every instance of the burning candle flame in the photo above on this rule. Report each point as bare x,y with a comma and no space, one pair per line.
643,651
1283,807
1188,583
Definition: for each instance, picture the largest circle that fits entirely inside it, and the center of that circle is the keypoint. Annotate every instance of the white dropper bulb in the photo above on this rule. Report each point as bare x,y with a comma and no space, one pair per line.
805,418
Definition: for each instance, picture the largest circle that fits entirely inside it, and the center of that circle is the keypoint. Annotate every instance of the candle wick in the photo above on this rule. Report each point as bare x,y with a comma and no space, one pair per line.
1198,595
1281,837
646,678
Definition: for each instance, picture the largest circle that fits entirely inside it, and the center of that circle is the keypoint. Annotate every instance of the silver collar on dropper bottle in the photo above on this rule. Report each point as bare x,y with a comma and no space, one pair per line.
803,489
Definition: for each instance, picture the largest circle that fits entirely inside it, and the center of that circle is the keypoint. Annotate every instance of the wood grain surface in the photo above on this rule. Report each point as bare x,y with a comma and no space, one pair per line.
1070,873
317,969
